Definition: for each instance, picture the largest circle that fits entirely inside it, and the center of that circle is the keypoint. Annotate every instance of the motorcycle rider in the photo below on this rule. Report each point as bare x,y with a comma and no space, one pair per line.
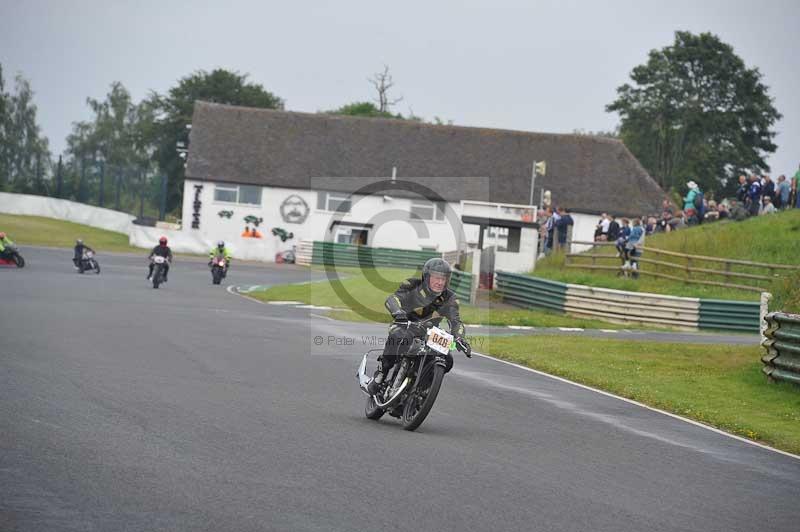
162,250
80,248
414,301
5,242
217,250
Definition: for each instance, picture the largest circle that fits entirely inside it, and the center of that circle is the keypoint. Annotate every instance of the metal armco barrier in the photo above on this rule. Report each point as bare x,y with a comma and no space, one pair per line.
461,284
729,315
782,345
527,291
628,307
343,255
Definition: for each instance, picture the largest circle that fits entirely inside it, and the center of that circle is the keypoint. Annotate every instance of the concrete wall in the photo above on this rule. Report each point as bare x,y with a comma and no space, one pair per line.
61,209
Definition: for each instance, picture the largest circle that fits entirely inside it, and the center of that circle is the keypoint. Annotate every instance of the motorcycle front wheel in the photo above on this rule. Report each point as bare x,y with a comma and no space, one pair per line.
419,403
97,268
19,261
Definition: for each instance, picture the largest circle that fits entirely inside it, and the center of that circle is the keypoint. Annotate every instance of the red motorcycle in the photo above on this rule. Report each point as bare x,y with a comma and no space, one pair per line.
14,259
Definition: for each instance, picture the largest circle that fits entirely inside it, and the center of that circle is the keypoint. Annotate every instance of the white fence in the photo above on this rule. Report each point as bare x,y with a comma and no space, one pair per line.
61,209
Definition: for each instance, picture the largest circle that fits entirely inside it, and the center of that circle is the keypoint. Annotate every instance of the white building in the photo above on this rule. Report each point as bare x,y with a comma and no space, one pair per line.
325,177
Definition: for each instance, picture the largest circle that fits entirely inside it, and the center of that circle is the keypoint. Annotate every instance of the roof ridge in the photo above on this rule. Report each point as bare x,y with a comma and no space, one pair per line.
322,115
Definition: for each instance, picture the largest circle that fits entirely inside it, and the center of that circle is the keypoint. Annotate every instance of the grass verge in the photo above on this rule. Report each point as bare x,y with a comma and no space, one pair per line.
370,288
767,239
40,231
719,385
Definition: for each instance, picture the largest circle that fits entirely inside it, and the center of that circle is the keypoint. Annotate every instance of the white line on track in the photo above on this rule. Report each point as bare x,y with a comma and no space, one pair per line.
637,403
232,290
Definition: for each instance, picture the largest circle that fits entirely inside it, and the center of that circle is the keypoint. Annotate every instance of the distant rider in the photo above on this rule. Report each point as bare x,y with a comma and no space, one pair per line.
414,301
218,250
80,249
161,250
5,243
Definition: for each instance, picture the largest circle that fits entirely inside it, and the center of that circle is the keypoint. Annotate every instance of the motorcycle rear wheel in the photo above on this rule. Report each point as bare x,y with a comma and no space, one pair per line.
419,404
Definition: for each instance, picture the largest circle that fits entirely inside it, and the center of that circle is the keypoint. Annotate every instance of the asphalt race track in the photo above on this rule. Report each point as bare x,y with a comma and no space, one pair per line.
190,408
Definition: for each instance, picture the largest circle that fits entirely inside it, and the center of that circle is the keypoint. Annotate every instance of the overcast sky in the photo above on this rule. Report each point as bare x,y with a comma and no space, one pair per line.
548,66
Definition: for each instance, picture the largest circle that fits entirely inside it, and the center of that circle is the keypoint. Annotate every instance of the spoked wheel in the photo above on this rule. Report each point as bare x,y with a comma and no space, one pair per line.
419,403
373,411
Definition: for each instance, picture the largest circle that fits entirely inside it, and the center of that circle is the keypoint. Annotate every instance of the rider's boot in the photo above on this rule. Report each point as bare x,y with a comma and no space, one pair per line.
375,384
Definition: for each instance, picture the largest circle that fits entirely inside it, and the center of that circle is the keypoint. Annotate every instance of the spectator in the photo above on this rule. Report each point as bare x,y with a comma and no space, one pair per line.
712,215
663,224
783,192
722,211
613,229
694,200
741,191
550,226
650,228
738,212
691,217
754,196
624,233
634,245
768,208
768,190
794,197
601,232
562,226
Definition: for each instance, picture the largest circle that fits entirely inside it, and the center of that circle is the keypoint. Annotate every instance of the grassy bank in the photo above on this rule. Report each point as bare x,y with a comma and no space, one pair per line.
718,385
39,231
369,289
769,239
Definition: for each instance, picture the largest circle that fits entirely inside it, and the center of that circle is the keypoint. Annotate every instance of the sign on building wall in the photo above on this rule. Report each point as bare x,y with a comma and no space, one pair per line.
294,210
196,206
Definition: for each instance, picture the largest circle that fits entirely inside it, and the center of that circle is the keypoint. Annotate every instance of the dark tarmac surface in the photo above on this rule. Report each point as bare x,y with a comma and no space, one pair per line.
191,408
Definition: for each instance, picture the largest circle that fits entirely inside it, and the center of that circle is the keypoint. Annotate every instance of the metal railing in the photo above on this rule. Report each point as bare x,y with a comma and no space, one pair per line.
782,347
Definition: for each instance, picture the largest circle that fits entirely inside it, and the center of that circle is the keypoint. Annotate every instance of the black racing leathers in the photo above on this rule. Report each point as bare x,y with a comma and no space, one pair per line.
414,302
161,251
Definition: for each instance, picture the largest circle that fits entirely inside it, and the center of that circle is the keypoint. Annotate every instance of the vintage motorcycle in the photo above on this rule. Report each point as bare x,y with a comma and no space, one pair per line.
412,386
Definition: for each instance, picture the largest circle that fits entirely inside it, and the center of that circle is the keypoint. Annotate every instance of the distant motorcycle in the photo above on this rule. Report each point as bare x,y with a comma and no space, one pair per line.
159,267
218,269
88,263
15,259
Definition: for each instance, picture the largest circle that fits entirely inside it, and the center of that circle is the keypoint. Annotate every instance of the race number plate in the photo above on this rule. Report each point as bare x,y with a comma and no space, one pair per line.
439,340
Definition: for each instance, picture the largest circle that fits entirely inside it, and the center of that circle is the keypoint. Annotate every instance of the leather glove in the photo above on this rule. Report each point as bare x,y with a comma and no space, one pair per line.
463,345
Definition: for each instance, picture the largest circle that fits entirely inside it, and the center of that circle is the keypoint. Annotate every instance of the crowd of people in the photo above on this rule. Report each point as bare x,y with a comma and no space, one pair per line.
755,196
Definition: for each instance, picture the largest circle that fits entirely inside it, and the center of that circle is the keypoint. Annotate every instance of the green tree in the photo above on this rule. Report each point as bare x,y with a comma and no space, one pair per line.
111,145
367,109
174,111
24,151
695,111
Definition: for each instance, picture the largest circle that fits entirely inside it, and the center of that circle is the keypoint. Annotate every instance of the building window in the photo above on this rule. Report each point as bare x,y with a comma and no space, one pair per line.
422,209
248,195
334,201
226,194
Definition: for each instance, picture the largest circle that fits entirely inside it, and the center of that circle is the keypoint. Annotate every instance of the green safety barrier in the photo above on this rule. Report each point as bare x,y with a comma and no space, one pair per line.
526,291
743,316
782,345
461,284
343,255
